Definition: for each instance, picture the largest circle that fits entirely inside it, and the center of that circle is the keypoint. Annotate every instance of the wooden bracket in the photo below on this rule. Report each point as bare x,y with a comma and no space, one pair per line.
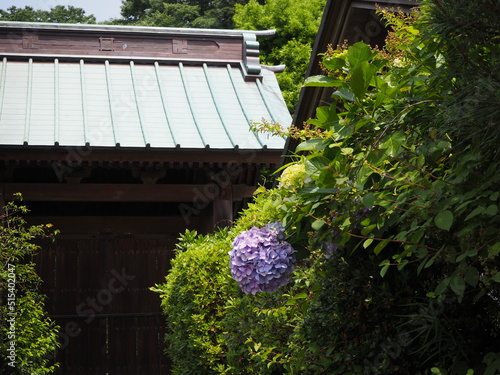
149,176
76,176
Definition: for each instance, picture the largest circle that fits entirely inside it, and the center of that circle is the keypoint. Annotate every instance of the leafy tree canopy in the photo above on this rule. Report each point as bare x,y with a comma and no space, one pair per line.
58,14
296,23
215,14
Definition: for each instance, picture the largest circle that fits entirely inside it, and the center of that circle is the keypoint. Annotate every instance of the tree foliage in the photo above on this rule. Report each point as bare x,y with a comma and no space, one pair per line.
58,14
216,14
32,335
296,23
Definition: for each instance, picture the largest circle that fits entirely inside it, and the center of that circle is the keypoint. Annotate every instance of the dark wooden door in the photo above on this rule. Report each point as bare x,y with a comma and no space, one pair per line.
98,292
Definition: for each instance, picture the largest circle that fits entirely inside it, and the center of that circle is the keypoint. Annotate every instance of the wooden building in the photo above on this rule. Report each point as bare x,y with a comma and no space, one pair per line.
122,137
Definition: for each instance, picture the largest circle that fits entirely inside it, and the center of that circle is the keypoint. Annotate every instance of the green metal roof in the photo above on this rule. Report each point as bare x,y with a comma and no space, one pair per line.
135,102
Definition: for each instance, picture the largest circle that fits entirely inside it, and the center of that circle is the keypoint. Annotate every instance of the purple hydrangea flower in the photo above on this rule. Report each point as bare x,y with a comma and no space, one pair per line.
261,260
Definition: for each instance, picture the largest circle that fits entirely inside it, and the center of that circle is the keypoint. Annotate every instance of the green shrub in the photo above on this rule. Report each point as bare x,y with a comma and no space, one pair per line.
29,337
193,298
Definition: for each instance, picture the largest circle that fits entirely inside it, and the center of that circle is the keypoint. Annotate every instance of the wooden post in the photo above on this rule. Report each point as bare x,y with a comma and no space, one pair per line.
223,207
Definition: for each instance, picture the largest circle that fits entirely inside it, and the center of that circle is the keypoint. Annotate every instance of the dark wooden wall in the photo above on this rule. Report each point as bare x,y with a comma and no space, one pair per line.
98,292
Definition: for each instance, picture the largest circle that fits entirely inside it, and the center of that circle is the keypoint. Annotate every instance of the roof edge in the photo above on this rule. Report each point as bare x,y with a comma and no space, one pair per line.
134,29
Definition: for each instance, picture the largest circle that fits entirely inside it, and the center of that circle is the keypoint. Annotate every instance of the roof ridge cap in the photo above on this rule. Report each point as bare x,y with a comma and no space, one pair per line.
134,29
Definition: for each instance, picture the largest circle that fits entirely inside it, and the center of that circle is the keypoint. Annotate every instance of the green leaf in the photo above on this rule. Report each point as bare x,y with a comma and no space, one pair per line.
346,224
300,296
417,236
322,81
369,200
392,143
315,165
430,262
384,269
367,242
361,77
492,210
311,145
493,368
380,246
326,115
472,277
457,284
345,93
444,220
441,287
368,229
468,253
333,63
376,157
475,212
364,174
358,53
480,295
494,250
496,277
421,266
317,224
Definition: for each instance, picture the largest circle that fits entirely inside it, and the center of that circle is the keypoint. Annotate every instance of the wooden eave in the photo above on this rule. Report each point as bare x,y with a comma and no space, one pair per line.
108,156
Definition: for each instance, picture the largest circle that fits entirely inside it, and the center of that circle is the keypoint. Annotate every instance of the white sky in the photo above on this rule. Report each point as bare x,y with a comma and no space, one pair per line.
103,10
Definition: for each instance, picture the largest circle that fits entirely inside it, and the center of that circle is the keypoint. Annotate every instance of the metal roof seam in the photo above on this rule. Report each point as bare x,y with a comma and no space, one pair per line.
164,102
56,102
27,125
240,101
84,103
2,85
219,112
138,106
110,98
263,96
186,91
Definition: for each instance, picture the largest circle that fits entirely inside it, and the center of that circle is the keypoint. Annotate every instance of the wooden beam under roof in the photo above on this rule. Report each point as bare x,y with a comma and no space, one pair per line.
78,155
39,192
